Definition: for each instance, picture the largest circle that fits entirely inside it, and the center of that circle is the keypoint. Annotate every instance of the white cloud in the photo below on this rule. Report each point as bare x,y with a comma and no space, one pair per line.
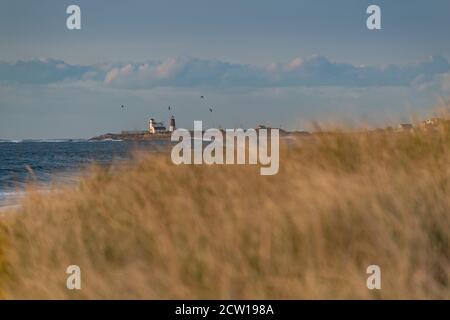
295,64
117,73
111,75
167,69
187,72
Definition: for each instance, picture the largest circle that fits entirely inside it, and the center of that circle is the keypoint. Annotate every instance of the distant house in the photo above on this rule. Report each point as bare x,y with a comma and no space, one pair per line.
156,127
268,128
432,123
405,127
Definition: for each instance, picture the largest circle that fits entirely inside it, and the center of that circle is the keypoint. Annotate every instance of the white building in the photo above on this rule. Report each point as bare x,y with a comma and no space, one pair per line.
405,127
156,127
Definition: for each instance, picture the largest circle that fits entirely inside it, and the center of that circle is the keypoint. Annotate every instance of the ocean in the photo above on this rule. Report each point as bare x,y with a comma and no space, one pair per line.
45,161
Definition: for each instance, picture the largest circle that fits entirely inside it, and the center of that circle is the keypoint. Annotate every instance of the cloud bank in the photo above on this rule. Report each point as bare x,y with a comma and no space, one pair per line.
315,71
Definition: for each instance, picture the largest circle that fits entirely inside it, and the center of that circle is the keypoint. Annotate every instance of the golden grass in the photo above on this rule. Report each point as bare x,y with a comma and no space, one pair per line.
155,230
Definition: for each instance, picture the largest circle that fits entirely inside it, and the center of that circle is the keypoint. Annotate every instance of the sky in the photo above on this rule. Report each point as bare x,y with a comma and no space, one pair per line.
282,63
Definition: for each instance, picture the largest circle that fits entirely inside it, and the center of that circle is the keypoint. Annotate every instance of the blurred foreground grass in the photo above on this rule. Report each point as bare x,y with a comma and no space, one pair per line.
154,230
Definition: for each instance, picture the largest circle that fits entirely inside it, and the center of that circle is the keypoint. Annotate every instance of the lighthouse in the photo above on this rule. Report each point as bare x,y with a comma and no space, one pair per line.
172,126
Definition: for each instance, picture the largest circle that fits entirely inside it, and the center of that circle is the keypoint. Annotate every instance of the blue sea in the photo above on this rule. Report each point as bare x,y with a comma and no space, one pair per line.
45,161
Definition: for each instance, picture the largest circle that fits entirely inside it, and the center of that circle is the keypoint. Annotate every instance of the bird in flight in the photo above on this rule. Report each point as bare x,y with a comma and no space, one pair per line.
210,109
122,106
169,108
202,97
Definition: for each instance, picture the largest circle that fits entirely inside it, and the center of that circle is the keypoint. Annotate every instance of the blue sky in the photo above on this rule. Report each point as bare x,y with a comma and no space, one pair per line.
276,62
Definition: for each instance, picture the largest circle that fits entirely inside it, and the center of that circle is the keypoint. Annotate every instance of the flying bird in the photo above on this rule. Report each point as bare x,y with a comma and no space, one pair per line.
210,109
122,106
202,97
169,108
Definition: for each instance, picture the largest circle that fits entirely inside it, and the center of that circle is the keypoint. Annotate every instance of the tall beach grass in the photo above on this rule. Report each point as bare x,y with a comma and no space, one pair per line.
153,230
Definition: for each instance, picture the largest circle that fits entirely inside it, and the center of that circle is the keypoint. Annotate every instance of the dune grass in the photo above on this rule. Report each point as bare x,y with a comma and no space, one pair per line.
340,203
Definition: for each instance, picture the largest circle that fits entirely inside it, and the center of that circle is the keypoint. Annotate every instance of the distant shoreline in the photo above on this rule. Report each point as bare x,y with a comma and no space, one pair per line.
131,136
140,136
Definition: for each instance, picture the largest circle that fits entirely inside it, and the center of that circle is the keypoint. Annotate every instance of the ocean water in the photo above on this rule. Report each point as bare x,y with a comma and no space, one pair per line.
45,161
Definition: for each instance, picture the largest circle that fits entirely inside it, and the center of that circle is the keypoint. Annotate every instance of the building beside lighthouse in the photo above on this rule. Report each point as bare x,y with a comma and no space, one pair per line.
156,127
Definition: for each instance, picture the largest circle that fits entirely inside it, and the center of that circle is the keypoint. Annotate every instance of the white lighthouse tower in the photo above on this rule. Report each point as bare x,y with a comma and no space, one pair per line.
172,125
